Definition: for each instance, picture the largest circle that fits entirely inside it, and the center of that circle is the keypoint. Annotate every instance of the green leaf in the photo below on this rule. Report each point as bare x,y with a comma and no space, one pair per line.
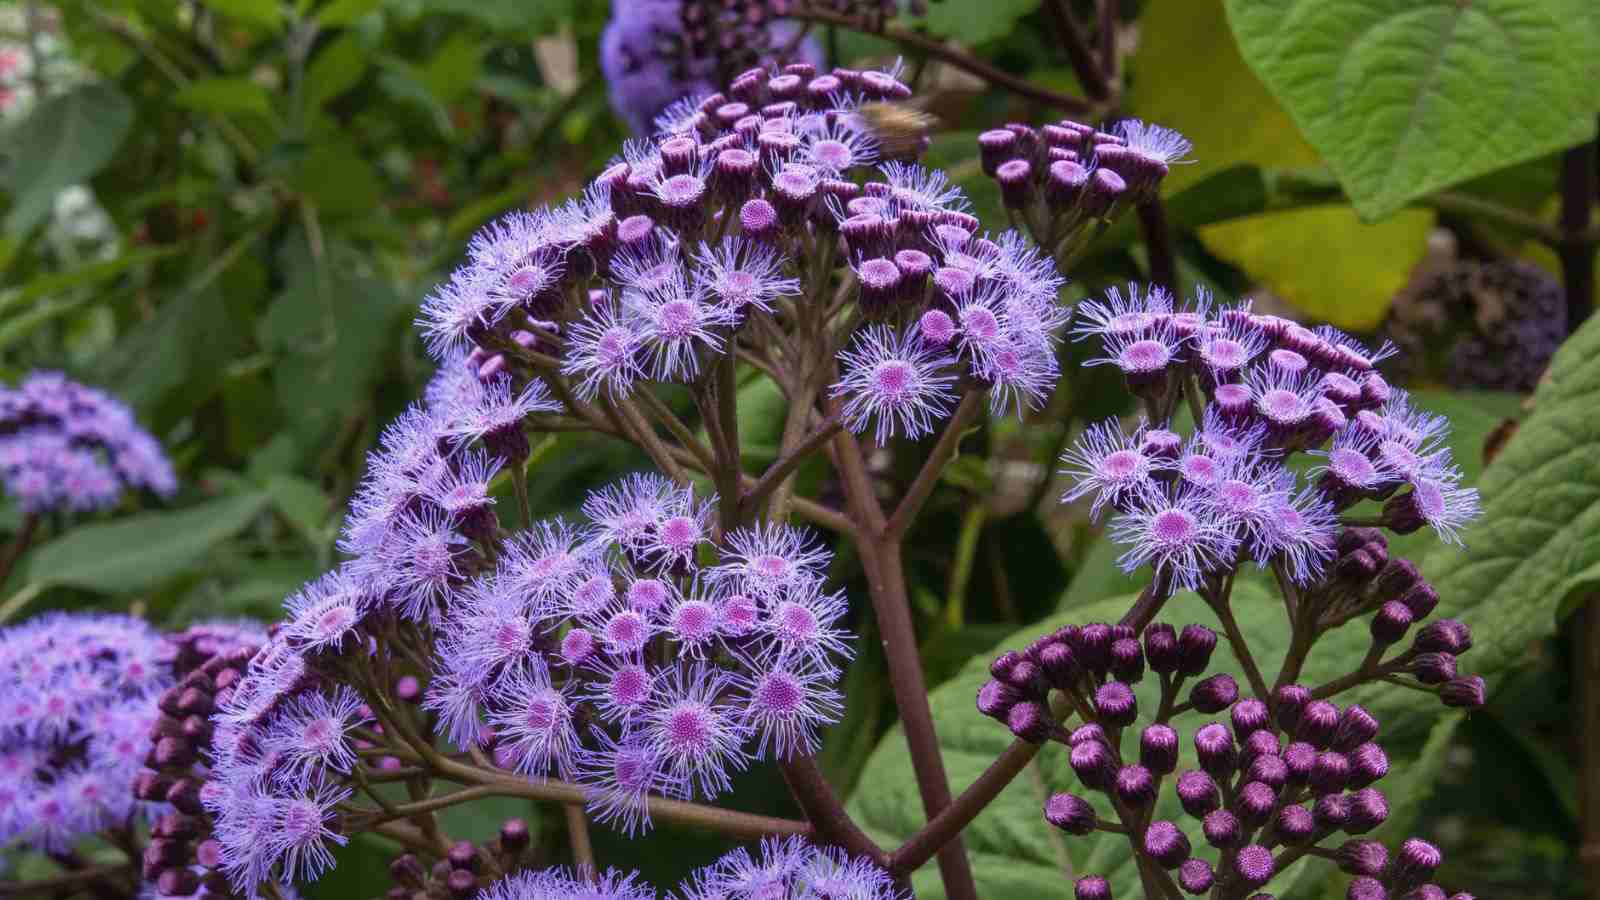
336,69
225,96
339,178
1014,852
973,22
1535,544
262,13
303,504
343,12
66,140
1404,97
1324,261
144,550
452,71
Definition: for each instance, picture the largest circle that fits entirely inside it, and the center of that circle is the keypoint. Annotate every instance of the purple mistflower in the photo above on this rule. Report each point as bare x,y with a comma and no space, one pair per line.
789,700
1117,314
542,563
791,867
1144,354
1283,400
1300,530
604,352
562,884
803,623
325,612
677,324
621,688
1441,504
1173,528
533,719
300,829
678,533
1109,464
695,624
893,382
837,144
914,187
495,408
312,734
488,630
770,557
457,698
1226,347
744,275
626,513
1020,374
619,777
457,311
416,566
695,730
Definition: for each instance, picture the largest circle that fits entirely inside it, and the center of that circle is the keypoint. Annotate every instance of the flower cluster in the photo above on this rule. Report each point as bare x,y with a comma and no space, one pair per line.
701,241
1472,324
655,52
86,700
790,867
1262,389
1272,780
64,446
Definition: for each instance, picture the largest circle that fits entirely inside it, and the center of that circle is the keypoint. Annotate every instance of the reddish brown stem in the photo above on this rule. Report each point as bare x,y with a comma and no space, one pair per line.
1577,256
19,544
928,476
824,811
920,847
1158,243
1084,65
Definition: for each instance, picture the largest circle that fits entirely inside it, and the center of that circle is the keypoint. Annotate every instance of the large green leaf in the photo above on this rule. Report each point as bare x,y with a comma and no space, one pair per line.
1535,545
1014,853
144,550
225,96
1190,77
63,142
1404,97
975,21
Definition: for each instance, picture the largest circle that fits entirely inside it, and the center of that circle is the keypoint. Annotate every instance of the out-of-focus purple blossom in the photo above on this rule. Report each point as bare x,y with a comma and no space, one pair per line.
65,446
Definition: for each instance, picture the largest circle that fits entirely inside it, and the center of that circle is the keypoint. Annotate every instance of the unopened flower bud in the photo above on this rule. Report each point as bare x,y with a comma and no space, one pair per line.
1065,184
758,220
996,698
1158,749
1421,600
1368,763
1258,744
1027,678
461,884
1091,887
1161,648
408,872
1198,793
1444,636
1434,668
1214,694
177,883
1294,825
1195,877
1254,865
1425,892
1070,813
1115,704
1287,704
1366,888
1470,692
1390,623
1331,773
1092,761
1135,785
1300,758
1166,844
1249,715
463,855
1270,770
1060,665
1331,811
1102,192
1195,644
1416,862
1127,660
1368,809
1093,645
1254,804
1363,857
1318,723
1222,829
1215,750
1015,177
1356,727
1089,732
1030,721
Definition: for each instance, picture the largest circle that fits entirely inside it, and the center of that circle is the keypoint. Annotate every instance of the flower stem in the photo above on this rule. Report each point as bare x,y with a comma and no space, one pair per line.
920,847
578,836
18,546
928,476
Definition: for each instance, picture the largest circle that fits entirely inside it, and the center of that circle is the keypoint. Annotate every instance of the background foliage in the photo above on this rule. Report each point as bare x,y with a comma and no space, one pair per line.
227,211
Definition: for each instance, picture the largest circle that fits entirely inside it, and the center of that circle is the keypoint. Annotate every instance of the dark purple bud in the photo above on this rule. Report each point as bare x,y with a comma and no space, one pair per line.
1233,401
172,752
1094,646
1390,623
1092,761
1198,793
1065,184
1254,865
1214,747
463,855
1135,786
148,785
1421,600
1259,743
1030,721
1161,648
1363,857
1358,566
996,147
1356,727
177,883
1104,189
514,835
1027,678
1331,811
1158,749
1287,704
1254,804
1070,813
1089,732
184,795
461,884
1318,723
1249,716
1091,887
1425,892
1416,861
176,826
1001,667
1270,770
1016,183
208,853
1400,576
1195,876
1214,694
407,871
996,698
1368,763
1331,773
1434,668
1127,660
1444,636
408,689
734,174
1195,644
1368,809
1060,665
1464,693
1365,888
1222,829
1295,825
1166,844
1115,704
1300,758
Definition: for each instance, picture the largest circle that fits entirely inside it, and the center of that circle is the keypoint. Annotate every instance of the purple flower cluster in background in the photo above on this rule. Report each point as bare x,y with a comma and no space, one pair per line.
67,447
656,52
84,696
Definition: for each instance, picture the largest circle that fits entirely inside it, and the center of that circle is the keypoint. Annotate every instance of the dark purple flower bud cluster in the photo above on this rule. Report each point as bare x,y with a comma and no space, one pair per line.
1067,175
1269,783
64,446
1263,388
467,870
691,246
656,52
85,699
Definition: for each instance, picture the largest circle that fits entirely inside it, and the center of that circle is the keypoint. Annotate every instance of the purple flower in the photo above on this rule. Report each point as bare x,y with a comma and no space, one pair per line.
604,352
619,777
696,731
791,867
894,383
312,735
325,612
770,557
1122,315
1174,529
534,721
561,884
744,275
1108,464
789,701
677,324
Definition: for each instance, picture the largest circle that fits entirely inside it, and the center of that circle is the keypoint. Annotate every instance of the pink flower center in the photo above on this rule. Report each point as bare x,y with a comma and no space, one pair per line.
630,686
780,693
894,379
1145,356
1172,527
678,319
